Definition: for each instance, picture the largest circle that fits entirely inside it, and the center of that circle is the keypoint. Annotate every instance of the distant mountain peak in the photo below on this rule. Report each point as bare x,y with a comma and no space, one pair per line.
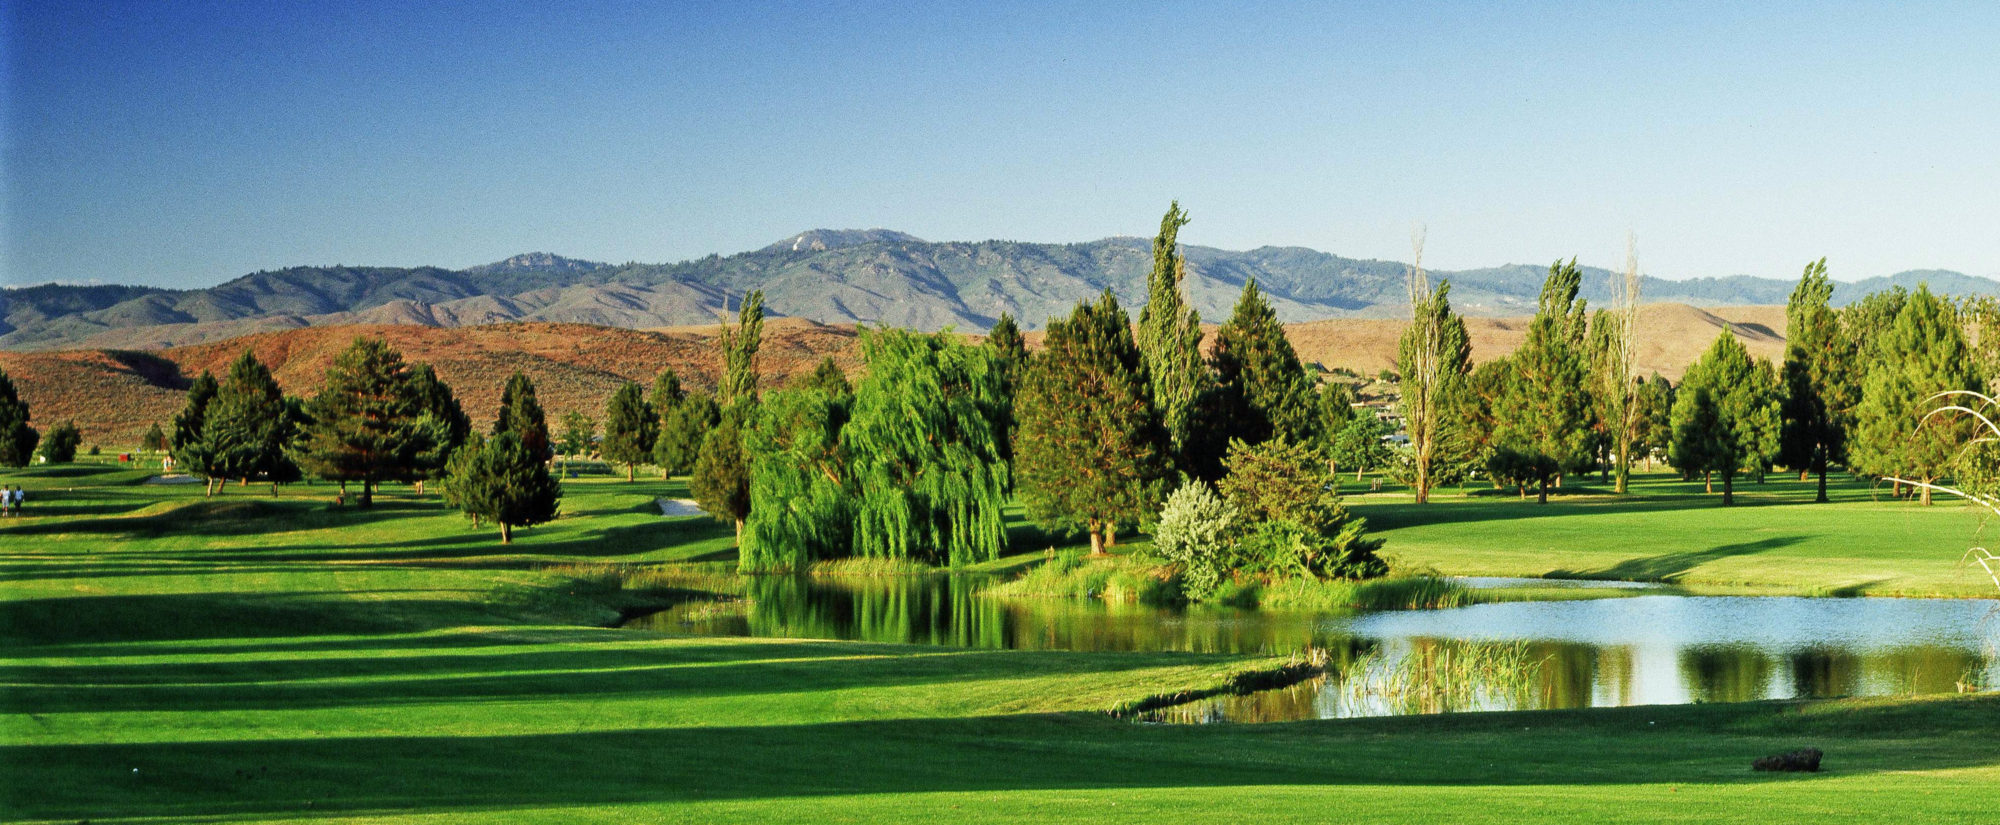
537,262
820,240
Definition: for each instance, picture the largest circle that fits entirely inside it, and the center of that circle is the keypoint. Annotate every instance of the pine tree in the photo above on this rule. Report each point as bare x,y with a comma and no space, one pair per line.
1089,450
17,439
154,440
364,419
1333,407
503,481
1009,363
444,423
1545,412
244,429
1262,390
1169,340
1820,392
829,378
521,414
928,480
682,430
667,392
1920,355
1726,420
190,452
628,428
1434,356
59,446
721,479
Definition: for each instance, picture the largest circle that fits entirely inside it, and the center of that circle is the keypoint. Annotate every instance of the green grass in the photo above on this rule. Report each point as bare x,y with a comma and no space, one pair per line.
260,659
1773,540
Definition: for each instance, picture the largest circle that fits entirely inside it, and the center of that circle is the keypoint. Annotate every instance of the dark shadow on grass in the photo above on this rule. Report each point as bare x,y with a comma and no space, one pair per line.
1669,567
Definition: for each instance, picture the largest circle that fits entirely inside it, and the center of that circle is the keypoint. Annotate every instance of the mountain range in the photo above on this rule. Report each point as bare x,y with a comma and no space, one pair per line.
826,276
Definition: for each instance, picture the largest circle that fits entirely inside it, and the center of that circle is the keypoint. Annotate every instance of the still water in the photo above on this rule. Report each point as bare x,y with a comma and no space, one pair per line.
1634,650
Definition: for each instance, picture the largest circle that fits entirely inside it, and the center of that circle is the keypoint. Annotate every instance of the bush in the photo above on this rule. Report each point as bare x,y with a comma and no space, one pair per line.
1198,532
60,445
1288,491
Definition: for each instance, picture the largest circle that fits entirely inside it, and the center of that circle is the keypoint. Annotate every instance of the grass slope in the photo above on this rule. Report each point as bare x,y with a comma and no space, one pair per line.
250,658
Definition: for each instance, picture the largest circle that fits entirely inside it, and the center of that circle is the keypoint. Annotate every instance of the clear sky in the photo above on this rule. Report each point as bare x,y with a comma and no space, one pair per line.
183,144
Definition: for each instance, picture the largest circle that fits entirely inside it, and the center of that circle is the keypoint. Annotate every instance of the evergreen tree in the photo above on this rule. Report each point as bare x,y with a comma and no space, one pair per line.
721,479
1655,432
628,428
1434,355
1358,445
503,481
154,440
1920,355
667,392
1333,408
683,428
447,426
59,446
1285,491
928,480
829,378
1169,340
1262,390
17,439
1010,361
244,429
1089,450
579,434
1726,419
1819,392
190,452
521,414
1545,413
363,422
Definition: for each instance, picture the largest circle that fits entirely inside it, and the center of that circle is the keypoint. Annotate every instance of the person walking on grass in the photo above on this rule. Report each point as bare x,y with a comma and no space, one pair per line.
19,495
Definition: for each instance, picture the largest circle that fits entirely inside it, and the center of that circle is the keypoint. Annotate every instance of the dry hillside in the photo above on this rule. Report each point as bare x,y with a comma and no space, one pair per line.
113,395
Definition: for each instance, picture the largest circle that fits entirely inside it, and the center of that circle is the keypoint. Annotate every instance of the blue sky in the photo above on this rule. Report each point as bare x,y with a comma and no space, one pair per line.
183,144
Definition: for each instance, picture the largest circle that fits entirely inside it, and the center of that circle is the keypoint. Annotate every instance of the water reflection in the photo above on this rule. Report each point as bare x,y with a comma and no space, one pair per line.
1650,649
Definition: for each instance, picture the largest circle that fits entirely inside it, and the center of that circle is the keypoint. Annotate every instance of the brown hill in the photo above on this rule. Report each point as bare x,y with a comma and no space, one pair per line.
113,395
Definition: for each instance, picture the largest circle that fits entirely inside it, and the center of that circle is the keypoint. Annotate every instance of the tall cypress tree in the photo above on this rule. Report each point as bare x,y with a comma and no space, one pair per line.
1010,361
521,414
1170,341
1544,416
1089,450
1920,355
17,439
363,422
1434,357
737,347
1820,392
244,428
628,428
1262,389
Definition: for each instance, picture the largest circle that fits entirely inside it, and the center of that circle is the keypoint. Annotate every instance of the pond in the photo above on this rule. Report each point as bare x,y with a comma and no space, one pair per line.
1632,650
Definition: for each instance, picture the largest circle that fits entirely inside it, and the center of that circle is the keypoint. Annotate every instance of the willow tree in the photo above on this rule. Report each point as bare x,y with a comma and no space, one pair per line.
1089,450
1434,356
929,482
797,506
1169,340
1921,354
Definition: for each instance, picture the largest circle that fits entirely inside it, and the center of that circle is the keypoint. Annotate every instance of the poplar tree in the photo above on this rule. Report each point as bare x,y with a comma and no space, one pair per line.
1615,341
17,439
1544,414
1726,418
1262,389
363,421
737,347
1169,340
1010,360
1921,354
1819,391
721,479
928,480
1434,357
521,414
683,428
503,481
1089,450
629,428
244,431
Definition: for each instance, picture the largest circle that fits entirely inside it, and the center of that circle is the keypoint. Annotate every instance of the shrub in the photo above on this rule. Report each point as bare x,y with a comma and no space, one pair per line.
1287,490
1198,532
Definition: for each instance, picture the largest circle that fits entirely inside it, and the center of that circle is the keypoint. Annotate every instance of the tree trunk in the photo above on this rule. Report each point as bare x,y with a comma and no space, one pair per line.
1728,486
1925,492
1542,492
1110,535
506,533
1357,473
1708,481
367,499
1821,498
1803,473
739,532
629,470
1096,529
